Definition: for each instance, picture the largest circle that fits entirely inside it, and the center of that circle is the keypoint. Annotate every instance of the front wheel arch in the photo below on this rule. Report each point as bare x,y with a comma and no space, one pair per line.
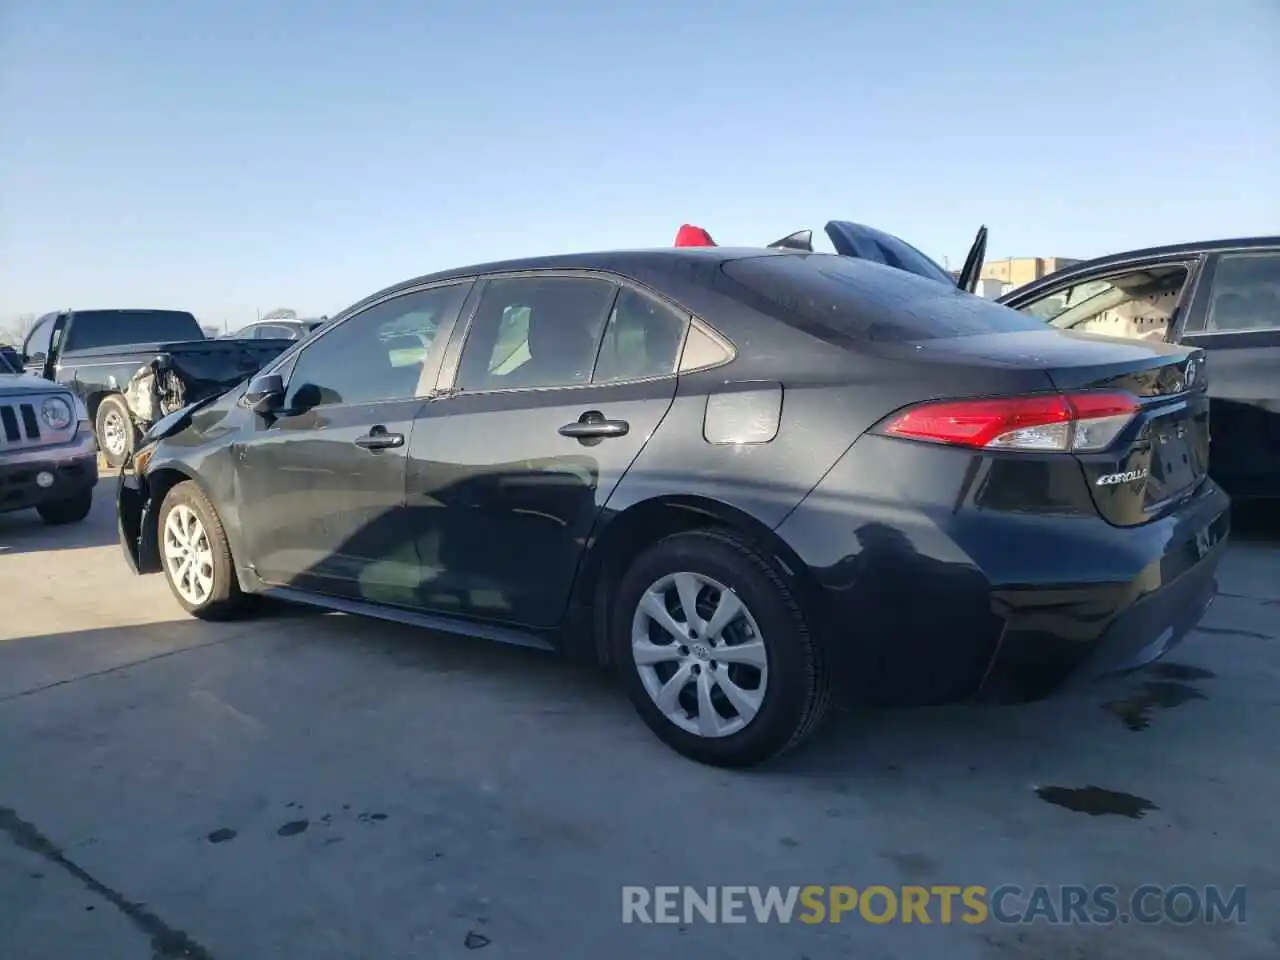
159,482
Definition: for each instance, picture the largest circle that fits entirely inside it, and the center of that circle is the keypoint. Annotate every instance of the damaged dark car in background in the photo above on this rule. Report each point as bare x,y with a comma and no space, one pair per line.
132,367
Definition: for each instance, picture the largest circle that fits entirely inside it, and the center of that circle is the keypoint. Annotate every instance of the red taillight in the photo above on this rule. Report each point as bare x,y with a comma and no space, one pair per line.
1047,422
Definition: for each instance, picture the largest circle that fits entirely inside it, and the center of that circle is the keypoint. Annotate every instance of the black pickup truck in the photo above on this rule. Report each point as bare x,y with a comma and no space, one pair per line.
131,367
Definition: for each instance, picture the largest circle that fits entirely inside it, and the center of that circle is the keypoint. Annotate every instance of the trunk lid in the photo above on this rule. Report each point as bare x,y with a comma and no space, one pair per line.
1162,455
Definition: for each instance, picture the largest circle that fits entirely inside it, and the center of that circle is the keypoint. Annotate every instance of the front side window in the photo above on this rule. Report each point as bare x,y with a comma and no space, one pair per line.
535,332
1132,306
1246,293
378,354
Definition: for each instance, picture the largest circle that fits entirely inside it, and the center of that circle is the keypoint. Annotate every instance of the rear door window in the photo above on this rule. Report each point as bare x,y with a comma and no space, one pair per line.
855,300
540,331
642,339
1246,293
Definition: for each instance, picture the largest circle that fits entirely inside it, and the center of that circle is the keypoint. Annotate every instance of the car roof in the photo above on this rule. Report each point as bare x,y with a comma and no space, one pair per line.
624,262
1182,249
1141,256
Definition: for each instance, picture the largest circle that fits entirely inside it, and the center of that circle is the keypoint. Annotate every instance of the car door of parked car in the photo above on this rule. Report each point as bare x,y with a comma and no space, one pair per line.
321,485
550,395
1236,319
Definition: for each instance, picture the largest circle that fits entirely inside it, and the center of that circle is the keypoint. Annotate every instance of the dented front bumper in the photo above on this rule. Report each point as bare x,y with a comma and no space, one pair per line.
133,515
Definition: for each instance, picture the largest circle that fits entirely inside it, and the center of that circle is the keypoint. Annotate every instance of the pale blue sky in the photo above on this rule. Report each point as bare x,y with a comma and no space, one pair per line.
234,156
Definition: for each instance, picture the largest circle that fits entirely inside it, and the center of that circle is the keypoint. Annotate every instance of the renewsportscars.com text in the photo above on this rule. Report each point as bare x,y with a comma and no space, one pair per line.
1007,904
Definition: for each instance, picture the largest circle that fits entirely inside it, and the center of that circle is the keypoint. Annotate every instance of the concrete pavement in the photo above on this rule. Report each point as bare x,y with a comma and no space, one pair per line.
316,786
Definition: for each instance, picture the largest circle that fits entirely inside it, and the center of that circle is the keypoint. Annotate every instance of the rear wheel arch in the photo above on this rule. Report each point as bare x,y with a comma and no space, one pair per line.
643,524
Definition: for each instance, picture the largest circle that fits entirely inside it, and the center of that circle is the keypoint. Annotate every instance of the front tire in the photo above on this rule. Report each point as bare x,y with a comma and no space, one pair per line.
741,680
196,556
72,510
114,429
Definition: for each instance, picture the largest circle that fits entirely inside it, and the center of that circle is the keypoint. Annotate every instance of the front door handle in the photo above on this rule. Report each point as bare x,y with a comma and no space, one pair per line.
592,425
378,439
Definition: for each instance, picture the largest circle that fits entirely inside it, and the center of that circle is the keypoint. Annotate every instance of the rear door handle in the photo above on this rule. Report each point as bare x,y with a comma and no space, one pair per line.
592,425
378,439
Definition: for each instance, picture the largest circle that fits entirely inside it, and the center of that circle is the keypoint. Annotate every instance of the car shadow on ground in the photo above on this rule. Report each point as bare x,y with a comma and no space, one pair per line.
324,650
24,532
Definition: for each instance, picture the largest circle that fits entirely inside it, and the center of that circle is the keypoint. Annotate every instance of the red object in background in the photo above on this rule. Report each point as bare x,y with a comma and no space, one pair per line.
691,236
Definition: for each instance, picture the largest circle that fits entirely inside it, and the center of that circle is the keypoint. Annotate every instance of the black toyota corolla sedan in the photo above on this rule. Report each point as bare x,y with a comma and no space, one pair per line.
746,479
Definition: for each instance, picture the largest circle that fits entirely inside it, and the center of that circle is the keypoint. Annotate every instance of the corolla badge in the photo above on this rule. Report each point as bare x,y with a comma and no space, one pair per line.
1111,479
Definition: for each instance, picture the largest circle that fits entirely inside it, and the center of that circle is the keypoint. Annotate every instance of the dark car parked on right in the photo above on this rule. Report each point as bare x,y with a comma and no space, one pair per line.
744,477
1219,296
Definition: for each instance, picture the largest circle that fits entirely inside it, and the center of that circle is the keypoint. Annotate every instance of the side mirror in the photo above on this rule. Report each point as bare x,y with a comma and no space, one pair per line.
265,394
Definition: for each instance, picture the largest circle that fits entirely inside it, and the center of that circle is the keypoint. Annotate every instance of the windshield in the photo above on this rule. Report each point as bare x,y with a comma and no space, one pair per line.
8,359
110,328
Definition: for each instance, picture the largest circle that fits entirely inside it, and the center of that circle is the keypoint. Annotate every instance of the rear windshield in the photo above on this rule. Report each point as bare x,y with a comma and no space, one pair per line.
845,299
110,328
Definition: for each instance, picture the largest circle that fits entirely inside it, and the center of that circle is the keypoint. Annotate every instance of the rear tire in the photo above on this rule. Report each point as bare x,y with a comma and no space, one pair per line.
72,510
196,557
115,431
732,690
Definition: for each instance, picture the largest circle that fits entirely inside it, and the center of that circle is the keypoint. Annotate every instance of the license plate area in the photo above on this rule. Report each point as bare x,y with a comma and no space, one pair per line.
1178,444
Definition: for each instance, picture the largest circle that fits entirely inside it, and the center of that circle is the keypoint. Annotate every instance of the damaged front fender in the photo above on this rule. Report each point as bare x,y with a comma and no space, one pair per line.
133,514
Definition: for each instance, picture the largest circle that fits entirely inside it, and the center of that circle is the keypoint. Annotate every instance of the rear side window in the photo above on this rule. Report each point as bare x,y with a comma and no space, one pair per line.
851,300
109,328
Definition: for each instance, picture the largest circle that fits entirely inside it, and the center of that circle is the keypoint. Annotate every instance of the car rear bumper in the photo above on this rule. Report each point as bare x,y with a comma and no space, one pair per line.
924,593
1099,632
29,478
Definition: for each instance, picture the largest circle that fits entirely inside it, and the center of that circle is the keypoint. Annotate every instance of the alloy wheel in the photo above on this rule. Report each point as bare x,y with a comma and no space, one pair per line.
700,654
188,555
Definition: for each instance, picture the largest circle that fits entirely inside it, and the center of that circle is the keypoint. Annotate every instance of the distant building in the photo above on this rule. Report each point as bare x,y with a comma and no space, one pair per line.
1000,276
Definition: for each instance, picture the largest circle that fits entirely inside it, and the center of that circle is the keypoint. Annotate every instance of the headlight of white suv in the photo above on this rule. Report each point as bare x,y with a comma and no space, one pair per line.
56,413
